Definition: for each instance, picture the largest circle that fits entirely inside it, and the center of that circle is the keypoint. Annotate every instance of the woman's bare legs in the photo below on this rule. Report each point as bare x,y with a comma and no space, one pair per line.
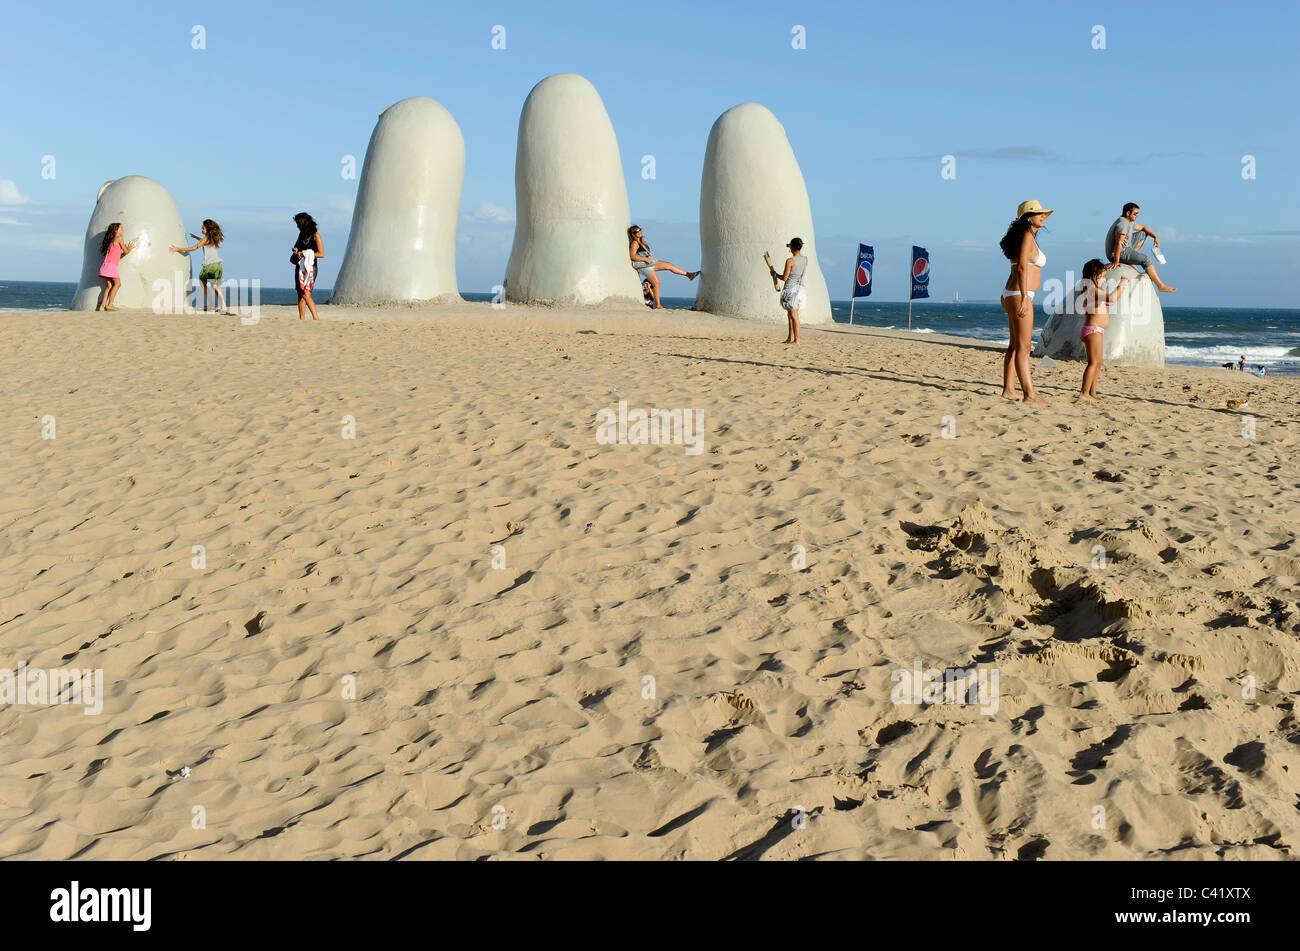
1016,356
1011,305
305,297
1023,344
221,298
653,278
792,317
1091,344
670,266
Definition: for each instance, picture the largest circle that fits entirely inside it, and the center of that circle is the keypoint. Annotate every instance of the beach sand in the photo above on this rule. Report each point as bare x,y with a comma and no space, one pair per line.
682,656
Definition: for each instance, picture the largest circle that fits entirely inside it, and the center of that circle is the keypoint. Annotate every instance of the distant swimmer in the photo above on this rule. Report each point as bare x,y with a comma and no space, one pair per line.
1121,249
646,265
1020,245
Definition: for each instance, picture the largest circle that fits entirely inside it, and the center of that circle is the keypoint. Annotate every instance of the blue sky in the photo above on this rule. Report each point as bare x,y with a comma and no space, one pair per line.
255,126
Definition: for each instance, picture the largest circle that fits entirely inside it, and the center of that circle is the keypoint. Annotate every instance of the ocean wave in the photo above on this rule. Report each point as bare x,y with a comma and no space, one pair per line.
1225,353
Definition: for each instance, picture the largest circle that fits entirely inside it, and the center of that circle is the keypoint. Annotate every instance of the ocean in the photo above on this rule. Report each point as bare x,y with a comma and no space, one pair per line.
1194,336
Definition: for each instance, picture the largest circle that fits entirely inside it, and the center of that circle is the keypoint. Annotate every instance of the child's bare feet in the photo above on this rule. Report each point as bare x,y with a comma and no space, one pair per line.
1009,395
1034,398
1085,398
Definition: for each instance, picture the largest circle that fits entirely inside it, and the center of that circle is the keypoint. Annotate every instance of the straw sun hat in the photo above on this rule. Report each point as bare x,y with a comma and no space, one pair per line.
1032,207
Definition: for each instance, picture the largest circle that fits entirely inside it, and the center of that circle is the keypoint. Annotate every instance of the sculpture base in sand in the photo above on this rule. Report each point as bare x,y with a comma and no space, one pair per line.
1135,336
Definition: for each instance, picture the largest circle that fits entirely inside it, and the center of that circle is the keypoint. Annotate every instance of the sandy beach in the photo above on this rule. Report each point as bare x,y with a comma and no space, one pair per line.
474,630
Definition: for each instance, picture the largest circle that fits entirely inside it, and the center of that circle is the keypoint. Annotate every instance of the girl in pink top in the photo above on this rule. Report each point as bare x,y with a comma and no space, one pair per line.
113,250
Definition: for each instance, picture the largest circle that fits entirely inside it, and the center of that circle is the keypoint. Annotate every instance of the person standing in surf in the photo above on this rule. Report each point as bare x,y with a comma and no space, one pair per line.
1020,245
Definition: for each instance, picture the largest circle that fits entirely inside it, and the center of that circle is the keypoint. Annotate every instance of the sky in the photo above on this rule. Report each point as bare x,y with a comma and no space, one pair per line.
1184,109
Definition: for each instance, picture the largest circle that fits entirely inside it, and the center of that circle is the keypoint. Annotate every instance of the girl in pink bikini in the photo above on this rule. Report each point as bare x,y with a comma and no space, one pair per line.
113,250
1094,302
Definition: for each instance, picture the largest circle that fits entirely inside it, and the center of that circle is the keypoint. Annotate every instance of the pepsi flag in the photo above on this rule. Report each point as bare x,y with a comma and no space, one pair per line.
862,274
920,273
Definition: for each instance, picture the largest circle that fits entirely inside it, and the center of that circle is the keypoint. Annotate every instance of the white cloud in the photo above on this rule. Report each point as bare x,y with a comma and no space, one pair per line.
10,221
9,193
1170,233
487,211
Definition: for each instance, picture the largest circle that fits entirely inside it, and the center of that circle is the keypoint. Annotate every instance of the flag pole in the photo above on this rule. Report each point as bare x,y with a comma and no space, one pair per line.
853,291
911,264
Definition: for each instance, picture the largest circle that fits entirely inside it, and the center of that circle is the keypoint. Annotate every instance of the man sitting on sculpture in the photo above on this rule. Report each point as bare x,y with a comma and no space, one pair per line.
1122,249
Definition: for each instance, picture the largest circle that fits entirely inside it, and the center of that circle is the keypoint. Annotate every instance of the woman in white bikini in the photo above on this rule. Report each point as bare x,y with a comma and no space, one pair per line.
1020,245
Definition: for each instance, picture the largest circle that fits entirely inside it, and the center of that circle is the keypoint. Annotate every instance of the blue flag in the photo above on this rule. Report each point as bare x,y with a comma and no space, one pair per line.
920,273
862,276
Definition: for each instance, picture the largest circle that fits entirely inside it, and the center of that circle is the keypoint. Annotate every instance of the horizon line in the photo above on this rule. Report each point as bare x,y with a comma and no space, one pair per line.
866,301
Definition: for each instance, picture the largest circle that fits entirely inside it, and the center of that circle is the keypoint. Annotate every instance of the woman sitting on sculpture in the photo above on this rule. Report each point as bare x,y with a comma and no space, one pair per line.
646,265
